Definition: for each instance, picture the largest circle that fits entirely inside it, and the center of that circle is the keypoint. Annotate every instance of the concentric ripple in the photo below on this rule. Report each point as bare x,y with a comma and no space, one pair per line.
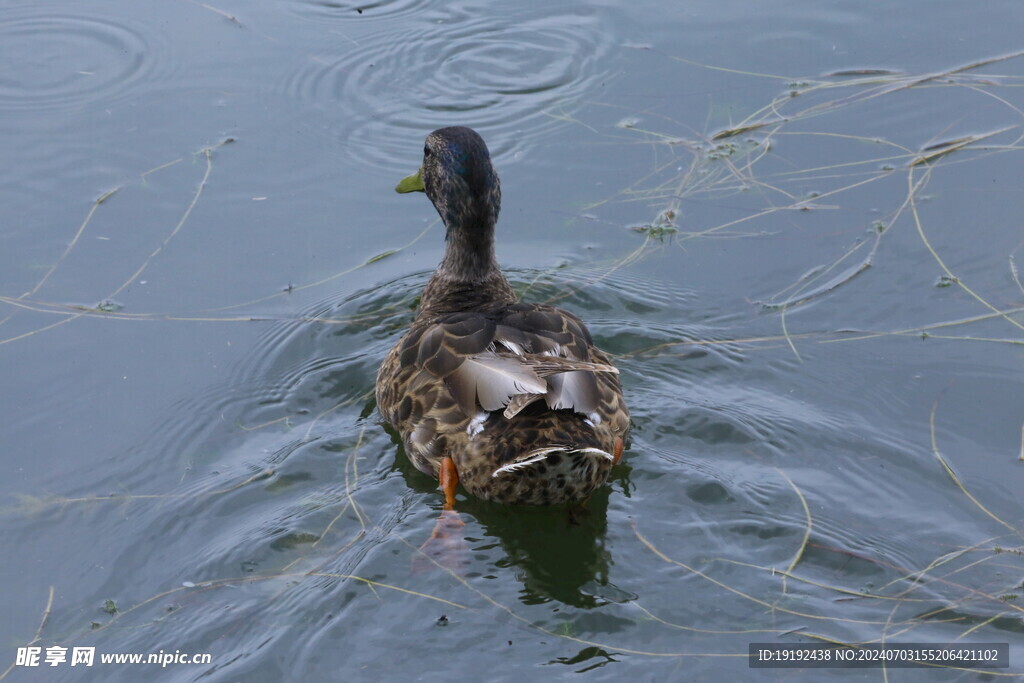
54,61
352,10
502,79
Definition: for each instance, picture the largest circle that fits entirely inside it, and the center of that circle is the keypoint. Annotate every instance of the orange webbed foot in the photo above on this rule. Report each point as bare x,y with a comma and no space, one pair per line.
446,545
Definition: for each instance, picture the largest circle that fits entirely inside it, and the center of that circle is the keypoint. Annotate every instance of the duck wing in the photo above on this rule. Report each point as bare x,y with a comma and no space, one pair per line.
509,357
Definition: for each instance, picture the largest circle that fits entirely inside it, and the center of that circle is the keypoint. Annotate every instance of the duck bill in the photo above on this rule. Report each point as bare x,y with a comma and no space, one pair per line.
413,183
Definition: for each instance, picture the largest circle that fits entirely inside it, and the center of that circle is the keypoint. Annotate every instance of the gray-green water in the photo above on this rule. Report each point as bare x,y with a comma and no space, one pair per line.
819,322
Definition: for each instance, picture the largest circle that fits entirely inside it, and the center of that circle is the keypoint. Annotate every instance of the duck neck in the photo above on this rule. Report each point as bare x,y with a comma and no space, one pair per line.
469,251
468,276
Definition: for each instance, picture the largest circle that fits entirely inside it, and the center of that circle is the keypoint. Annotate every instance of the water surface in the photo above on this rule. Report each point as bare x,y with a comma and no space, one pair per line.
796,226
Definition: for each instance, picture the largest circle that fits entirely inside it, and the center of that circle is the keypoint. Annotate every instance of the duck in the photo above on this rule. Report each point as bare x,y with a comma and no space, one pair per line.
509,399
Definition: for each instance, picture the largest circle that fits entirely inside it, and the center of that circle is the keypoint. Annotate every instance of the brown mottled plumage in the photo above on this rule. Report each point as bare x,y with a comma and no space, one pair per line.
516,394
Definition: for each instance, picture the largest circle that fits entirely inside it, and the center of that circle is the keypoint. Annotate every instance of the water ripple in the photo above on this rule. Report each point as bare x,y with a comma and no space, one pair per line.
352,10
504,80
67,61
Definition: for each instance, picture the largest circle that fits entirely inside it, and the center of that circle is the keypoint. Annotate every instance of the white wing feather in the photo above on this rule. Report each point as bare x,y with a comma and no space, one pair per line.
494,379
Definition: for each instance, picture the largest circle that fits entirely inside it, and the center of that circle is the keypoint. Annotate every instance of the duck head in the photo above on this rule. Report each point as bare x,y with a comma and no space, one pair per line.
457,176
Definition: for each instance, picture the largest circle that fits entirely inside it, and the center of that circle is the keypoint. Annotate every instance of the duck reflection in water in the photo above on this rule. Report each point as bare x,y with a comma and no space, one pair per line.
559,553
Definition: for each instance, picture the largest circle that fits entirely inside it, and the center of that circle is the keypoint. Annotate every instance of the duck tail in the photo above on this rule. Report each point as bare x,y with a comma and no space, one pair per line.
538,455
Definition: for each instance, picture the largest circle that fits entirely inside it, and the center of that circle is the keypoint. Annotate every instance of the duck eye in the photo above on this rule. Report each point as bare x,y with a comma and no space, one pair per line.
426,151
